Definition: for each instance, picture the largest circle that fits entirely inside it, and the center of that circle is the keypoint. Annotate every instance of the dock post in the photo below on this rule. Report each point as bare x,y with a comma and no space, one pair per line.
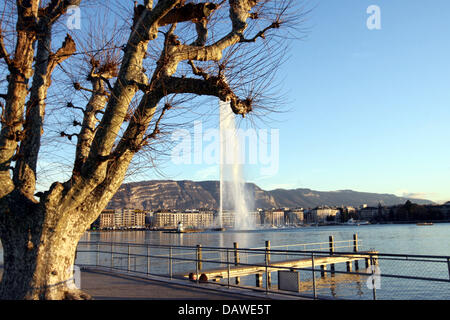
236,258
323,268
367,262
355,249
258,280
349,266
331,240
267,262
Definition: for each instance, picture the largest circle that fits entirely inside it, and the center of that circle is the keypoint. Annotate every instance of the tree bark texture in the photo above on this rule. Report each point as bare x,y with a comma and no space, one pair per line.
40,232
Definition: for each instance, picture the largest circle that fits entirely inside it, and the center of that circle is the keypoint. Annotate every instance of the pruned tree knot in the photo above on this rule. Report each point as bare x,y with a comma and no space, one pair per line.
30,245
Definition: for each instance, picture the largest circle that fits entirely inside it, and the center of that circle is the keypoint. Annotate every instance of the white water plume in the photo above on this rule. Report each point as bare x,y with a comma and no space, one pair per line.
233,194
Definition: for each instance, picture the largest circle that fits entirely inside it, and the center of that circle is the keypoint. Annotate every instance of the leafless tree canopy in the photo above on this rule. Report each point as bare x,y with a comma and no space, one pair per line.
110,90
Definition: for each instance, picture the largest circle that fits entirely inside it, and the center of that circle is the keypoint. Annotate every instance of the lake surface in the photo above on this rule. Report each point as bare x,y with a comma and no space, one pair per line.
407,239
386,238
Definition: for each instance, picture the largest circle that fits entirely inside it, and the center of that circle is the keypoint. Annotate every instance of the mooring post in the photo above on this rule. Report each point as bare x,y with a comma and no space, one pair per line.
236,258
349,266
331,241
355,249
323,269
258,280
267,261
367,262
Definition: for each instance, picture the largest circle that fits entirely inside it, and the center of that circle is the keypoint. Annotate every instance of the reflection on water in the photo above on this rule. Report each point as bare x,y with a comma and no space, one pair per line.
402,239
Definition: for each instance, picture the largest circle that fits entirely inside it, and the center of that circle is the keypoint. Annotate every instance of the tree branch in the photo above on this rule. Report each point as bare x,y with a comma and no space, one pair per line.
25,169
213,86
3,52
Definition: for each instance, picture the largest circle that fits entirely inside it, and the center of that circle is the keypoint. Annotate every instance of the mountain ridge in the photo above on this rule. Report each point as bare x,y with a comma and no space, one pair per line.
188,194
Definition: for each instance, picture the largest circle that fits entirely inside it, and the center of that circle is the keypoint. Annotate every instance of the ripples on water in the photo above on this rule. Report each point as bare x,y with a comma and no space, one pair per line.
399,239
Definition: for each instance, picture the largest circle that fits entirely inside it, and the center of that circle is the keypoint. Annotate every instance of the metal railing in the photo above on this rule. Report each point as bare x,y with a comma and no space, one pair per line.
384,276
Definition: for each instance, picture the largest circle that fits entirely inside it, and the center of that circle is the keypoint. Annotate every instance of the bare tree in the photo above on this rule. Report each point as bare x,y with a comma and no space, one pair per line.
222,49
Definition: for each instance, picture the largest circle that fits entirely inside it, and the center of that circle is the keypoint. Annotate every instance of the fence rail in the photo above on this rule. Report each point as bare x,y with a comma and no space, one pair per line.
326,273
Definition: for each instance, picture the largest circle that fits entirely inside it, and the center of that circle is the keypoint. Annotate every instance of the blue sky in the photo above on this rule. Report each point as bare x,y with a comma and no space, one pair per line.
371,106
369,109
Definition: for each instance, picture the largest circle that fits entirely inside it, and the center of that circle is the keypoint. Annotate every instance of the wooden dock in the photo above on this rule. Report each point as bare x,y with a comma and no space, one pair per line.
260,268
324,261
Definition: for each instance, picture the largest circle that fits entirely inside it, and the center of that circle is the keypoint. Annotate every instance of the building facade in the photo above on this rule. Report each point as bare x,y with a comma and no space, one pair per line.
189,219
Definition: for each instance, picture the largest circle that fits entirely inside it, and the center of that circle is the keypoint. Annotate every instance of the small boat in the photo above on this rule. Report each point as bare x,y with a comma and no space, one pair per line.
424,223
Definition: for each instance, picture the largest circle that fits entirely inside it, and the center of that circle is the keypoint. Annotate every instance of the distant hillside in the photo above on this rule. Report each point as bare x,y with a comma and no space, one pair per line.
168,194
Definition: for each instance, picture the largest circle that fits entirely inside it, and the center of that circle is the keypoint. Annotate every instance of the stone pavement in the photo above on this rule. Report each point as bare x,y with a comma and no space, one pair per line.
106,285
103,284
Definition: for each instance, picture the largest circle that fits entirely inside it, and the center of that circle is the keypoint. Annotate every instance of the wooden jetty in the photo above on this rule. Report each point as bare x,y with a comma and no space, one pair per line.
237,270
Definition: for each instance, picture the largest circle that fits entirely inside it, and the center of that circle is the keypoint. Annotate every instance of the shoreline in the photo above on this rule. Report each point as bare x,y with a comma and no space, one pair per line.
174,230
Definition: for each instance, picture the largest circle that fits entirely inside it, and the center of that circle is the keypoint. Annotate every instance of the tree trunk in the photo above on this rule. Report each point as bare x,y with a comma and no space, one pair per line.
39,247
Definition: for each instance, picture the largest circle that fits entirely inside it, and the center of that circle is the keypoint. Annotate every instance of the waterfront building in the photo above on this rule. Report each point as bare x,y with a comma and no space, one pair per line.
118,219
105,219
368,213
294,216
189,219
273,217
321,214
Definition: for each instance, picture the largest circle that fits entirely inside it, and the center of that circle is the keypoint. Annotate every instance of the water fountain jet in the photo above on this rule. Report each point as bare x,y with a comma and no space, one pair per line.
233,194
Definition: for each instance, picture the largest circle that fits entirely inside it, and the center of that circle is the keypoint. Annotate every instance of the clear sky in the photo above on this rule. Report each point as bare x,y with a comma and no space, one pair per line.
369,109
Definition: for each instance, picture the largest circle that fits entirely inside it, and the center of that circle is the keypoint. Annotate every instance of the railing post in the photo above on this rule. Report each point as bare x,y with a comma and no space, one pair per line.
313,276
129,259
199,257
170,262
267,263
236,258
228,268
112,255
355,249
148,260
374,290
198,264
448,265
98,253
331,243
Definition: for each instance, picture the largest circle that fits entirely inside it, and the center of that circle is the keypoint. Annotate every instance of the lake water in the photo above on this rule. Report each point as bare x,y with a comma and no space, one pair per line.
387,238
